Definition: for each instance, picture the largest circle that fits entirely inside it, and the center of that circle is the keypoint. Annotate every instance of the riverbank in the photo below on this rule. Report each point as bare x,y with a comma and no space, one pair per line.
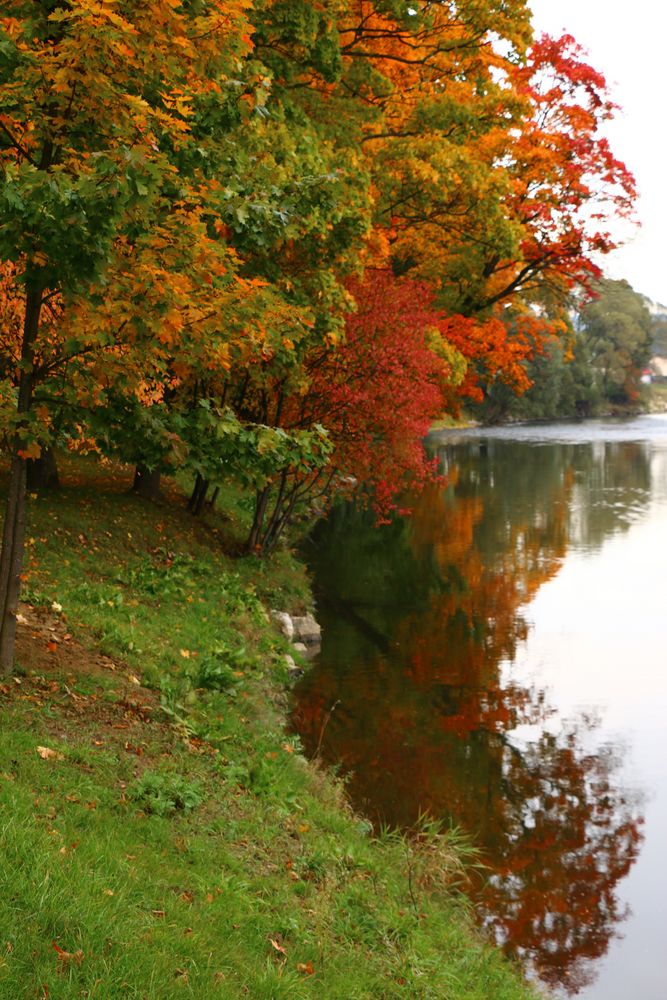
161,833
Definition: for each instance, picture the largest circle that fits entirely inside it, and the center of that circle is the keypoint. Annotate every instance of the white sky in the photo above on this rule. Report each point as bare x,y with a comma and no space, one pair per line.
627,42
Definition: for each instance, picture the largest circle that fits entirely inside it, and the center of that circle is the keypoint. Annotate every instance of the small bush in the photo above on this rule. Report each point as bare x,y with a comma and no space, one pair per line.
218,670
165,794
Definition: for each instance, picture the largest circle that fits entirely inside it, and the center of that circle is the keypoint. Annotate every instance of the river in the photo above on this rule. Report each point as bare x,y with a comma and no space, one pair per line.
499,661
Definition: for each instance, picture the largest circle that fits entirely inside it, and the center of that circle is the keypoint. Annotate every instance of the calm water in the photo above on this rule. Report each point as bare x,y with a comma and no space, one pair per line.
500,661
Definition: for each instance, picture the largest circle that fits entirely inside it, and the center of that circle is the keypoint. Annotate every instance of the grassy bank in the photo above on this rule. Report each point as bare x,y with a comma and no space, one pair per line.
160,833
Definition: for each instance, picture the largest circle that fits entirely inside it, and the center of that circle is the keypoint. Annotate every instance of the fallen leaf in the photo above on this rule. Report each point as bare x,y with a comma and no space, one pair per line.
278,947
185,653
46,753
66,958
306,968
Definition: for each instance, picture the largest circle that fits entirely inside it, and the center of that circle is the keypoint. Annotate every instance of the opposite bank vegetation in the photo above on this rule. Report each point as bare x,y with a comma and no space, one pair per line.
161,834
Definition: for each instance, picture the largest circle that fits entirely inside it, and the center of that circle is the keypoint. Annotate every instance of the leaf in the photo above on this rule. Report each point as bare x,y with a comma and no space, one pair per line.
307,968
46,753
66,958
277,946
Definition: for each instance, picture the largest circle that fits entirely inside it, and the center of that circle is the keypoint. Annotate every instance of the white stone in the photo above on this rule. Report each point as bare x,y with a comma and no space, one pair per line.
307,630
284,622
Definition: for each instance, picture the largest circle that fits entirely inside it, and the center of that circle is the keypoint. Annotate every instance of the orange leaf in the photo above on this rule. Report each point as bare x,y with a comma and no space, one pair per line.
67,957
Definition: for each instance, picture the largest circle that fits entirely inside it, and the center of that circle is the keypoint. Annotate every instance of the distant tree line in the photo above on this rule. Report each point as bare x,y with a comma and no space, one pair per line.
595,368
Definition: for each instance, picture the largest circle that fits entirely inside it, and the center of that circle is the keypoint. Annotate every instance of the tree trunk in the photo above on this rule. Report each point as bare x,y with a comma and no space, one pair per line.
43,471
11,557
261,503
147,482
201,497
213,497
198,495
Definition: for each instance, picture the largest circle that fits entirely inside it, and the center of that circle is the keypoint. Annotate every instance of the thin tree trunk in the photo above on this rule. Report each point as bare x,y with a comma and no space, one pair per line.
192,502
261,504
11,557
12,560
214,496
277,508
198,495
276,529
147,482
43,471
201,497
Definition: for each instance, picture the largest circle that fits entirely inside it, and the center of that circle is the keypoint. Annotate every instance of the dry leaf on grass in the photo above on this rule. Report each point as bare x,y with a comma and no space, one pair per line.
67,958
46,753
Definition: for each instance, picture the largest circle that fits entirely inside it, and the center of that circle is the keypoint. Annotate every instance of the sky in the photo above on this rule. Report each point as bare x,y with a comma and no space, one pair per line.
626,42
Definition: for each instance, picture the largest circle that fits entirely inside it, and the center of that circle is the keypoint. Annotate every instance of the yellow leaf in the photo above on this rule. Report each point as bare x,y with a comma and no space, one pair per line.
46,753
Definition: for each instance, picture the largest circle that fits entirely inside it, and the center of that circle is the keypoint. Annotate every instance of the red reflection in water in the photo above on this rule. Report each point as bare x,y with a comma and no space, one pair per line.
424,725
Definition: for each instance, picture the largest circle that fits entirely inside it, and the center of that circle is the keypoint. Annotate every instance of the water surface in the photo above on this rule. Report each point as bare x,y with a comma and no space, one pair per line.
498,661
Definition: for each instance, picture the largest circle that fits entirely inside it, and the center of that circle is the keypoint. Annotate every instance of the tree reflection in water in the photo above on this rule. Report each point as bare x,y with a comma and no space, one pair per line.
421,621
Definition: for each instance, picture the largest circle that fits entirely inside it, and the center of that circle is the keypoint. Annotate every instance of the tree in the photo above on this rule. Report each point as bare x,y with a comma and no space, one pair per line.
617,329
93,106
393,349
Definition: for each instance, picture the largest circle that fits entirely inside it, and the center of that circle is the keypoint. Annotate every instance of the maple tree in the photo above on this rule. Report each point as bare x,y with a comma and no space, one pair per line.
392,349
94,104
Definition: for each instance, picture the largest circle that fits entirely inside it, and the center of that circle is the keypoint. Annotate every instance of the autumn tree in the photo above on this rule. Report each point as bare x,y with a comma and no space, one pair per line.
94,103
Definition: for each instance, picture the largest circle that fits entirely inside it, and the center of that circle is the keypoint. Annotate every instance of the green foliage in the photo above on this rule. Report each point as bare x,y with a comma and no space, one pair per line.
616,328
219,669
597,371
163,794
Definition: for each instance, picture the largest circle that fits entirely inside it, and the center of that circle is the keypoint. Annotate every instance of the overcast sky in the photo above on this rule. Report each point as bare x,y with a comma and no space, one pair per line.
628,43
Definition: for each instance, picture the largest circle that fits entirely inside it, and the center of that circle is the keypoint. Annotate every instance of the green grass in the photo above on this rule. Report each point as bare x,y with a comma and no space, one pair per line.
175,842
657,397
